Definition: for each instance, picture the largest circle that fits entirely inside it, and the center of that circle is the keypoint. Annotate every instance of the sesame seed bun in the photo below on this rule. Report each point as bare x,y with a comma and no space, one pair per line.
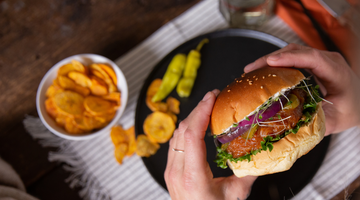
242,97
248,92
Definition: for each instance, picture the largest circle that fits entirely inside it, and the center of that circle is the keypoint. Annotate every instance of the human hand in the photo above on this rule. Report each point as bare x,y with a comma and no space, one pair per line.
338,83
188,174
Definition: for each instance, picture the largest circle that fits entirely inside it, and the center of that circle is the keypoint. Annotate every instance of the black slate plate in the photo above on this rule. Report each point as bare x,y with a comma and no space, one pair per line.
223,59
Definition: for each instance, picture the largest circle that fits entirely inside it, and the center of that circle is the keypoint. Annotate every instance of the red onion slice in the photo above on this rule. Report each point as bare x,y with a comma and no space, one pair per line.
245,125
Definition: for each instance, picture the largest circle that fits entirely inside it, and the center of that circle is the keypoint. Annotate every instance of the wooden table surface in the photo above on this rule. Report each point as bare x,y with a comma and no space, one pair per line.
34,35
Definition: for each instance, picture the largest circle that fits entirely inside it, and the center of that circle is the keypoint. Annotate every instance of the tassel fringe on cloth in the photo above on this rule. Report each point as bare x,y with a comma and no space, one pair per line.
66,154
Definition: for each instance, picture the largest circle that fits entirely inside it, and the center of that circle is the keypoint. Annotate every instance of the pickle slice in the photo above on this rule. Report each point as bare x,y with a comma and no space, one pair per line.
250,133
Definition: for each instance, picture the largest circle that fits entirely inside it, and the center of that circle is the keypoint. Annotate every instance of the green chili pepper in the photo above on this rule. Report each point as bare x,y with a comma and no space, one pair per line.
171,77
193,62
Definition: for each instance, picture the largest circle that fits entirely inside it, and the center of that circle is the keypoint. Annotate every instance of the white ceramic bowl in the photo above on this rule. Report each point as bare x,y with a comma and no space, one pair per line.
47,80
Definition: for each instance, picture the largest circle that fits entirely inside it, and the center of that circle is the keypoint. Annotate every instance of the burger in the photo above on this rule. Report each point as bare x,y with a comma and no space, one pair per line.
265,120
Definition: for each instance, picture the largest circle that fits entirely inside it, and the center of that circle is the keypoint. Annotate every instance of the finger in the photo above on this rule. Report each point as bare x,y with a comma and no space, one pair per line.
194,135
176,159
262,62
322,65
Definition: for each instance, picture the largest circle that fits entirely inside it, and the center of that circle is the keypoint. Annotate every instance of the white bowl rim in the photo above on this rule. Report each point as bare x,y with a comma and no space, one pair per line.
91,58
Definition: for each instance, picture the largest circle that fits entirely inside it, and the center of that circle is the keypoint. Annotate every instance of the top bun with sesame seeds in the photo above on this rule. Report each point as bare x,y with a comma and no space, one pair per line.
248,92
249,97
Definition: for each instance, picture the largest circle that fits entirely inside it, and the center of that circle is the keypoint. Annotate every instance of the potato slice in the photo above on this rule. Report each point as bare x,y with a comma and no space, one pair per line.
109,71
51,108
78,66
52,91
69,102
99,72
132,141
66,82
98,87
98,106
151,91
80,79
159,127
73,66
120,152
114,96
145,147
173,116
92,122
71,127
173,105
118,135
61,119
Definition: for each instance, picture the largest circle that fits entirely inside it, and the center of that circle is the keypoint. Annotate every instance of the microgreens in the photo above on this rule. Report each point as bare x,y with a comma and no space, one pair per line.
310,106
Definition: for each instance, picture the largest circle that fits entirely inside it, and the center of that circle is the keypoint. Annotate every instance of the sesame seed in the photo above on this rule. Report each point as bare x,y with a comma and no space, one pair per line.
261,87
250,82
240,81
243,75
228,90
256,79
263,77
247,79
274,75
269,75
254,76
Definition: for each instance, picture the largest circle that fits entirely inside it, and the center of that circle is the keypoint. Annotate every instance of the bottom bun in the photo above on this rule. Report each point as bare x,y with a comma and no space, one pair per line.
286,151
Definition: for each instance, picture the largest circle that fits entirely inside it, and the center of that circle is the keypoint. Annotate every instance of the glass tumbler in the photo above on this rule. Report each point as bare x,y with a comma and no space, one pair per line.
246,13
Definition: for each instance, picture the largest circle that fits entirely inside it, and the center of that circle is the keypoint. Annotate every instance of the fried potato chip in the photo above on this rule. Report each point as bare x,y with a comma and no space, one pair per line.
114,96
98,106
92,122
71,127
61,119
78,66
82,123
173,116
118,135
132,141
80,79
145,147
51,108
56,84
99,72
151,91
73,66
173,105
159,127
120,152
157,106
52,91
98,87
69,102
154,87
82,90
67,105
66,82
109,71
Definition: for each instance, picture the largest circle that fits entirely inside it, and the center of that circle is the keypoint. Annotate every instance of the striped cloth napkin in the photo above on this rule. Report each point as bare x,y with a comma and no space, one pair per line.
92,162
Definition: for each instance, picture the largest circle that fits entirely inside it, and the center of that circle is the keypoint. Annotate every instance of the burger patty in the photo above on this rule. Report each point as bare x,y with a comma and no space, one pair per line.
240,146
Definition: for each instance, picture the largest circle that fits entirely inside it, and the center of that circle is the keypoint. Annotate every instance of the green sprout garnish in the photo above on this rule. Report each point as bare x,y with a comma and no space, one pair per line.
310,105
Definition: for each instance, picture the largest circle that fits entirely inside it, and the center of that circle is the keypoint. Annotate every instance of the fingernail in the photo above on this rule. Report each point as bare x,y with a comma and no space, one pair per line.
207,96
216,92
249,67
274,57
